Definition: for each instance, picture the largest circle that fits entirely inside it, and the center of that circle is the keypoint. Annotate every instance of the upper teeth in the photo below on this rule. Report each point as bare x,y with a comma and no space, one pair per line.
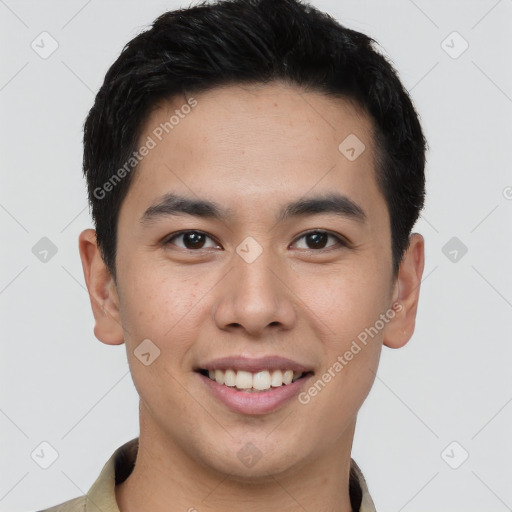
260,380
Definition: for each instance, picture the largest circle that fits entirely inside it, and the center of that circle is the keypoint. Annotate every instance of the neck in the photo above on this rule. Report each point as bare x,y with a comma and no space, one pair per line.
166,478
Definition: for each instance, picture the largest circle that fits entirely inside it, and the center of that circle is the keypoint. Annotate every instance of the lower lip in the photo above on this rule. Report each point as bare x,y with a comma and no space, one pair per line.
258,402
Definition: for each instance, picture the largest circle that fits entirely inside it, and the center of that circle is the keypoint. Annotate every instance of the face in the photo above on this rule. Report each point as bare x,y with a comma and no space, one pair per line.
274,279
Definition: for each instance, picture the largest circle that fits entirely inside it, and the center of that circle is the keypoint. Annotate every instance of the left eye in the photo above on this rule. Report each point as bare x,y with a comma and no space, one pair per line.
318,239
315,240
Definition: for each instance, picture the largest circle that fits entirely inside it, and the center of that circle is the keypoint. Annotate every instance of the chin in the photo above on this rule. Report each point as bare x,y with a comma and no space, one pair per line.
246,463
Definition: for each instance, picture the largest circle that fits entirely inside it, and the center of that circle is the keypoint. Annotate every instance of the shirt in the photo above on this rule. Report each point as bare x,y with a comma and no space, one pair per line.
101,496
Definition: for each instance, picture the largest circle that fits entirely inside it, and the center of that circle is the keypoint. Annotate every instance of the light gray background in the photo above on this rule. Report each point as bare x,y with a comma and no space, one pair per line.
452,382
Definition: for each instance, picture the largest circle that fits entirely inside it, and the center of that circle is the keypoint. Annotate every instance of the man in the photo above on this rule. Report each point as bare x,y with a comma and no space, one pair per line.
255,171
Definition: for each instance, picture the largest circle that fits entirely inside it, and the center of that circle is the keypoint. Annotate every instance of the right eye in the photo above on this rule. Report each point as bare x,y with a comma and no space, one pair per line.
192,240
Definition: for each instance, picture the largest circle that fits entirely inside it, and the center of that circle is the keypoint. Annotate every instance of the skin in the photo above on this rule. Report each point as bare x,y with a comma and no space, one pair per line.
252,149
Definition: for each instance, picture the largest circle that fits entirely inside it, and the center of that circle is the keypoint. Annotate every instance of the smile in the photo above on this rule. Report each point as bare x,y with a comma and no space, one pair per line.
254,385
252,382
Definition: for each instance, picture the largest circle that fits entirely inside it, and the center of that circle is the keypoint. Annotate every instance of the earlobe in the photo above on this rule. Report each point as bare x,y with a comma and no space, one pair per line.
102,291
406,294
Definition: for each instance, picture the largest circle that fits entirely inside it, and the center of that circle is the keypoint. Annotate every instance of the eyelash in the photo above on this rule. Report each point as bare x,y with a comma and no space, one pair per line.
340,241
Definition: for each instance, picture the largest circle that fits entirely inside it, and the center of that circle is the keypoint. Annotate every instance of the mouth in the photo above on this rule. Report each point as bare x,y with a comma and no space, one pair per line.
253,385
254,382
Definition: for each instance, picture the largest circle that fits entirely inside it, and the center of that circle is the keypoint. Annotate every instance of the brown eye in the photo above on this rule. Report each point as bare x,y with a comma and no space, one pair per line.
191,240
317,240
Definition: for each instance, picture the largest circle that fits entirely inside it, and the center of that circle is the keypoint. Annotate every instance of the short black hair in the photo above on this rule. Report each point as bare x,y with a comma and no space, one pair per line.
230,42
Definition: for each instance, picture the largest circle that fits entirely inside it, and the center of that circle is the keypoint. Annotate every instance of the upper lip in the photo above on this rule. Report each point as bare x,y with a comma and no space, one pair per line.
254,364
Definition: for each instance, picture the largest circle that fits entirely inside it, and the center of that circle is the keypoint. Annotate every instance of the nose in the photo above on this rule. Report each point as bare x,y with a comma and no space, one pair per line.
255,297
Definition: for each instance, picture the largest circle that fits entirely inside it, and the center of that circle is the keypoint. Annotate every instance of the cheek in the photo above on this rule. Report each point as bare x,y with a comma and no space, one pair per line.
345,302
158,304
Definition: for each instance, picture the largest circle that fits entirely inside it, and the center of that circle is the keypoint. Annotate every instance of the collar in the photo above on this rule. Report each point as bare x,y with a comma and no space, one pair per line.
101,495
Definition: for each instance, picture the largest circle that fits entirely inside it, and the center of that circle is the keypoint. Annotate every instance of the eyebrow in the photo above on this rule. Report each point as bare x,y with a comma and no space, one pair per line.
174,204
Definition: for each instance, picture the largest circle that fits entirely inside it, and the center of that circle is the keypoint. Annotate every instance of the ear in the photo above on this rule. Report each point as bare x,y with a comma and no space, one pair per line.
406,294
102,291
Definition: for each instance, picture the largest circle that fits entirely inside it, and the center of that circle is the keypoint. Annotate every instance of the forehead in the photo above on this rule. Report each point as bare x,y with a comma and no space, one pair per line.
247,146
